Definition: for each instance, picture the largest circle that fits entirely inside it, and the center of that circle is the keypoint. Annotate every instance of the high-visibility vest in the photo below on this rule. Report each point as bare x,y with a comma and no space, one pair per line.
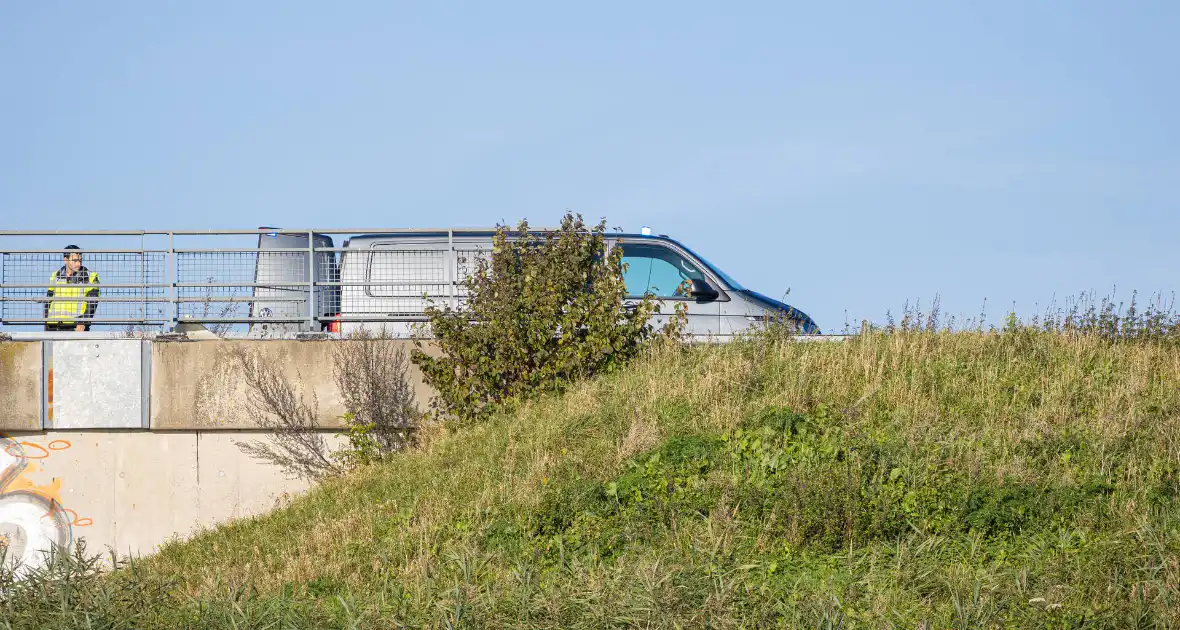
82,284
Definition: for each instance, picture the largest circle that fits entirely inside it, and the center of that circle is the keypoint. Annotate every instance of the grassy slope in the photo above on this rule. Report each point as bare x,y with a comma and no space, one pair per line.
964,479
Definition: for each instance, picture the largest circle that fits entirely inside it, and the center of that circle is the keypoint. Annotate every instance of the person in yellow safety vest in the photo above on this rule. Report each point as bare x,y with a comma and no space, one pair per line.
69,286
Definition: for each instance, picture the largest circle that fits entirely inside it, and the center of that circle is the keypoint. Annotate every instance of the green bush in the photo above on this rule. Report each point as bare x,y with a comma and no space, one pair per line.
543,311
809,482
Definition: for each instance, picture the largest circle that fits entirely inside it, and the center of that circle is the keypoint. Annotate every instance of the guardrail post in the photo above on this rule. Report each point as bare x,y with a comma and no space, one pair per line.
173,274
452,269
143,281
311,281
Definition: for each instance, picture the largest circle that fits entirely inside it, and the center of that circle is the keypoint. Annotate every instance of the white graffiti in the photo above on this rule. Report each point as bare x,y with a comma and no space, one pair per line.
32,526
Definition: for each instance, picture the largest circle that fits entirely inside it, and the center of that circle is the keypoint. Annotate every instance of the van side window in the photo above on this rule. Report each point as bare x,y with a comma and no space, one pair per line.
655,269
408,272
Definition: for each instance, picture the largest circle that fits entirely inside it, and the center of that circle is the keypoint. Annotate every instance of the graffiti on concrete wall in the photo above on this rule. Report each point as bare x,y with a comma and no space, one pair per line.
33,521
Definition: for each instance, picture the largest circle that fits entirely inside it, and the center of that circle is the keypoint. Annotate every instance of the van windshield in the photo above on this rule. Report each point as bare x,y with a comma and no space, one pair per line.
733,284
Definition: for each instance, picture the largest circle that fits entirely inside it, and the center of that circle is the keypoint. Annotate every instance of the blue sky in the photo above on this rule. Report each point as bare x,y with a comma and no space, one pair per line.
858,154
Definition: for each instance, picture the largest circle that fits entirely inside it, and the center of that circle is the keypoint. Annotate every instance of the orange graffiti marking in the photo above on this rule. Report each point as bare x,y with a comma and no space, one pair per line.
51,490
43,455
54,508
18,477
57,508
75,521
49,392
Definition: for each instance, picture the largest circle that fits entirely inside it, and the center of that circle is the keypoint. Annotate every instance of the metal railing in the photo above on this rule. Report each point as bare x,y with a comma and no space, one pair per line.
304,280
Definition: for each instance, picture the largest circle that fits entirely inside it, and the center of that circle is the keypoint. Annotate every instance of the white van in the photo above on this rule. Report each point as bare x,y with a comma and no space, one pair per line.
388,280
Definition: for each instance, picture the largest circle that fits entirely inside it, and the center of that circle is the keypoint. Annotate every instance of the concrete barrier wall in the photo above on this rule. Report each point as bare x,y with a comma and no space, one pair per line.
126,443
20,386
90,384
201,384
129,491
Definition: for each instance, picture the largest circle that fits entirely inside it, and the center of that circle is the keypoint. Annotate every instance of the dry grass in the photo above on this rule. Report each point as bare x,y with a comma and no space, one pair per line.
446,535
641,436
977,398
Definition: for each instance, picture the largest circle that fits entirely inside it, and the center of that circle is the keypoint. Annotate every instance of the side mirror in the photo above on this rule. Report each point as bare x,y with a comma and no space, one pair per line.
701,290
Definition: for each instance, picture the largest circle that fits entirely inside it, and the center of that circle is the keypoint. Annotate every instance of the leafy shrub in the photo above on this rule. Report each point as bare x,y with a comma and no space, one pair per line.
675,470
810,482
656,488
541,312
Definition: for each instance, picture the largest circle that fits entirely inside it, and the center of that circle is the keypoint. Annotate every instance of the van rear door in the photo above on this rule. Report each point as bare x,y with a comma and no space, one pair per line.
281,291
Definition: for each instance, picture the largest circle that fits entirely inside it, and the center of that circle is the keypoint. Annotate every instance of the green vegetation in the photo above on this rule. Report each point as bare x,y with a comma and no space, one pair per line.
972,479
542,311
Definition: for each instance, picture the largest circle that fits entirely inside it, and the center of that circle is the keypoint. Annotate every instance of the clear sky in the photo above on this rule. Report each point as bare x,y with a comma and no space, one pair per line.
858,154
